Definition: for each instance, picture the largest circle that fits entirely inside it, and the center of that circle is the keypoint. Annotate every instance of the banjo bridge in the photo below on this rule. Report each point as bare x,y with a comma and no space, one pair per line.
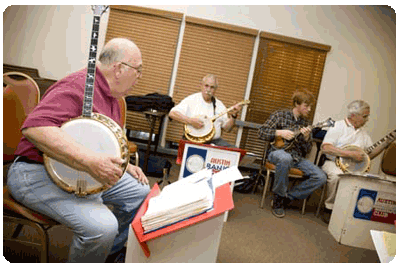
81,187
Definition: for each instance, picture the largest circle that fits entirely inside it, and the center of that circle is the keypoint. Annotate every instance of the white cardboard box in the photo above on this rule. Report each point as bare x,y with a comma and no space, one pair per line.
363,203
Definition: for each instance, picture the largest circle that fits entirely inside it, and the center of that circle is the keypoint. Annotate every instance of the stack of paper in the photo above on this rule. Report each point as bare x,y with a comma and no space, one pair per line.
185,198
178,202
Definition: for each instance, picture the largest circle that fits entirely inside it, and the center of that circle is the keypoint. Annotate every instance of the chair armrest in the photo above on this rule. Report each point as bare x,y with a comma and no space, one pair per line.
133,150
132,147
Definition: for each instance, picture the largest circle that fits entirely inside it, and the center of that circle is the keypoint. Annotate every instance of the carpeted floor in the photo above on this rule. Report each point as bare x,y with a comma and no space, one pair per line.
251,235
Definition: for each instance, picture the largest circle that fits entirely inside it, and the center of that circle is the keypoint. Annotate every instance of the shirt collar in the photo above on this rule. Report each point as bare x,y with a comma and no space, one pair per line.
103,83
349,124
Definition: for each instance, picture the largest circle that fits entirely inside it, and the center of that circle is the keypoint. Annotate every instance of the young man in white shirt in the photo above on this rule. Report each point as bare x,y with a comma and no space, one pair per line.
205,103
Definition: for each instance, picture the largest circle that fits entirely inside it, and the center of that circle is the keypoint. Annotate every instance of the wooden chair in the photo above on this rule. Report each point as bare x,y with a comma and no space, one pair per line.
133,149
269,168
388,163
19,99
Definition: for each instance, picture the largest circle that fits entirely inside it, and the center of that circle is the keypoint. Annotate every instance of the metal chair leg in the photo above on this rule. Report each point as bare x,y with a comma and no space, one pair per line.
265,189
303,210
258,179
321,200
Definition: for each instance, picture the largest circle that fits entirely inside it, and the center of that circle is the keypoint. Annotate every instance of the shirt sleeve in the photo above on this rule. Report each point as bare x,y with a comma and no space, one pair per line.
304,146
57,106
182,106
332,135
268,129
220,109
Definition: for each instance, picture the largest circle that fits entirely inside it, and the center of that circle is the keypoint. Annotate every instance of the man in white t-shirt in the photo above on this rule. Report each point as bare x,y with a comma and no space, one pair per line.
205,103
349,131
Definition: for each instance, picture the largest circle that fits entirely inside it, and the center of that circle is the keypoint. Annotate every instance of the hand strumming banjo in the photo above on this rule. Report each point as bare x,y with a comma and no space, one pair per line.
207,132
92,130
349,165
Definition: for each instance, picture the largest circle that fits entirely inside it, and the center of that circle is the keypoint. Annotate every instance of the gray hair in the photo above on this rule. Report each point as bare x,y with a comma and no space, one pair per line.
213,77
356,107
115,50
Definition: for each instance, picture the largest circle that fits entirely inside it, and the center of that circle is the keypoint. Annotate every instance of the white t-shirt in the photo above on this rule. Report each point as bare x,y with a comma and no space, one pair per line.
343,133
194,105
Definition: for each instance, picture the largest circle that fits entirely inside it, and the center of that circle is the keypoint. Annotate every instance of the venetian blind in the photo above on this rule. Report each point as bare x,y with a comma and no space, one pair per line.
210,47
283,65
155,32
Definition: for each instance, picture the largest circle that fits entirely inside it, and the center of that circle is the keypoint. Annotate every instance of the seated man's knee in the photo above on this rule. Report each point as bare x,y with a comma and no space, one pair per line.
102,228
323,177
144,191
285,159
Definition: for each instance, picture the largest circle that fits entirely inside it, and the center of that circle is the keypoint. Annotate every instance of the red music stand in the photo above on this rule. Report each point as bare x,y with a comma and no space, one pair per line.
193,240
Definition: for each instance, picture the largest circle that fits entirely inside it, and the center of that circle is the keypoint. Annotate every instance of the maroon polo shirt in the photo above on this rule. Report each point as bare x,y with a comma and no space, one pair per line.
63,101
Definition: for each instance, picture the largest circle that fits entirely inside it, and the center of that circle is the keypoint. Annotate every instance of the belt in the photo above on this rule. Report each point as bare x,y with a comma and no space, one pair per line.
26,160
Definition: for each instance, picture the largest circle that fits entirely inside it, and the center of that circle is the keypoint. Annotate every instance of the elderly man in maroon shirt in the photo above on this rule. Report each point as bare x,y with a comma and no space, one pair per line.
98,231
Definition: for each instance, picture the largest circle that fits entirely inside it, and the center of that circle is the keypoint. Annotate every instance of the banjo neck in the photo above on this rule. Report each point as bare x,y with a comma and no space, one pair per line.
245,102
87,108
382,142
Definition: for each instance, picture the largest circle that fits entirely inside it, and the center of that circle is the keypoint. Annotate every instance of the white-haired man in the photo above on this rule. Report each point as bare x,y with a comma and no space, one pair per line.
97,231
345,132
205,103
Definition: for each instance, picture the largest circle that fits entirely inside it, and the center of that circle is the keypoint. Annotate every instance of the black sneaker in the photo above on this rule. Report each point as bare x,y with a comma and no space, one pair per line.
278,207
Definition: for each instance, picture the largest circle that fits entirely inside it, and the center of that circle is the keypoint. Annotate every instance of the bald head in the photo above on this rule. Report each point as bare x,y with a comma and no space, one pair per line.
117,50
120,62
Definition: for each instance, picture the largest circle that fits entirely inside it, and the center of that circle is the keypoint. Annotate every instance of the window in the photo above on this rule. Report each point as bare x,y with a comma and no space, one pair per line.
217,48
283,65
155,32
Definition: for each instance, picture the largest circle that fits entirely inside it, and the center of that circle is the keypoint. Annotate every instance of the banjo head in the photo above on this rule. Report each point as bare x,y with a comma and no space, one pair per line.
349,165
198,133
99,134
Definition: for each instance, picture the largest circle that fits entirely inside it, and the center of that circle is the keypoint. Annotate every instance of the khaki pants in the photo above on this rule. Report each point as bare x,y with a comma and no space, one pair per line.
333,172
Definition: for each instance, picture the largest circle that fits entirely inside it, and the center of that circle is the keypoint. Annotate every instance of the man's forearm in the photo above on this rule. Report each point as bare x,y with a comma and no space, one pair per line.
57,144
179,117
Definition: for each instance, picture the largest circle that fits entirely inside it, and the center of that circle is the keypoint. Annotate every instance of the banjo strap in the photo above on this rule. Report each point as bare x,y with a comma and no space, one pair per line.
213,102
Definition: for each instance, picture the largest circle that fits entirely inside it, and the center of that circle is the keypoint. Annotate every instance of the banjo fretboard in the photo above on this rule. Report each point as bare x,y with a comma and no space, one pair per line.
91,69
388,138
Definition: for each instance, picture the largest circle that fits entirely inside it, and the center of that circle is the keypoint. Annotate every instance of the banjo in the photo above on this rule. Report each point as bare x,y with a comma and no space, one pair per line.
282,144
351,166
207,132
95,131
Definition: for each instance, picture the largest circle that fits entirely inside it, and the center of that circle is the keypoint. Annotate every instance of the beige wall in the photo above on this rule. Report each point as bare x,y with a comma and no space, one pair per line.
361,64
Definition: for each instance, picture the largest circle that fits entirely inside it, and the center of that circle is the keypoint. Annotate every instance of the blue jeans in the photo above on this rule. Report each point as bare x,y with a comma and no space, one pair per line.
283,162
97,231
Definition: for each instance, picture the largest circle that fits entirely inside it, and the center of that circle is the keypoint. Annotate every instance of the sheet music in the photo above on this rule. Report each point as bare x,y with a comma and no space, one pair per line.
186,198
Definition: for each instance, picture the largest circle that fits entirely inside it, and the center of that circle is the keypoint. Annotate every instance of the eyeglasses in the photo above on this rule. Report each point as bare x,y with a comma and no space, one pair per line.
210,86
138,69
